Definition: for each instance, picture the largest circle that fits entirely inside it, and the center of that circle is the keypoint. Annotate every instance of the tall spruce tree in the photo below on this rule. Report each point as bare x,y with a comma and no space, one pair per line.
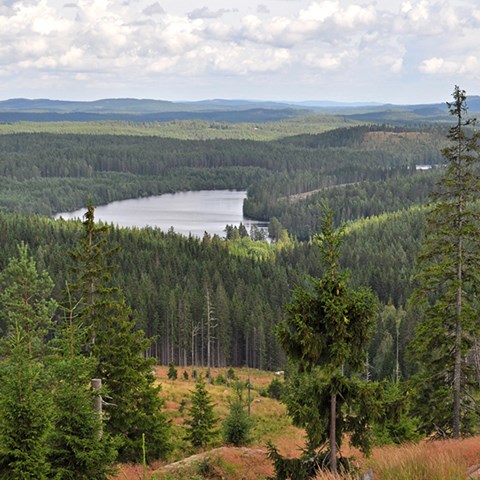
325,333
134,407
448,284
25,394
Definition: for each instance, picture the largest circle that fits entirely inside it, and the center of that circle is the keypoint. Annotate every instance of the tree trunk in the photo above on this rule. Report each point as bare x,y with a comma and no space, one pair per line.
457,384
333,432
98,402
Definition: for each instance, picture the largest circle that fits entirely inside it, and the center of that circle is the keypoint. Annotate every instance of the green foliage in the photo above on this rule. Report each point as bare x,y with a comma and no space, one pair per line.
276,389
397,425
202,421
26,403
308,465
79,449
25,412
220,380
446,292
327,328
237,425
118,348
23,300
172,373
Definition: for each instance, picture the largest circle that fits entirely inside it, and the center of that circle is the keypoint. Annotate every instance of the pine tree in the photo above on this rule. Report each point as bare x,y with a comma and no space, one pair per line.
448,283
134,406
325,333
25,393
202,421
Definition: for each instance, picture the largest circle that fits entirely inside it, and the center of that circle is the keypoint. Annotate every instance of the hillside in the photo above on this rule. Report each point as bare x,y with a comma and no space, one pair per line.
217,110
430,460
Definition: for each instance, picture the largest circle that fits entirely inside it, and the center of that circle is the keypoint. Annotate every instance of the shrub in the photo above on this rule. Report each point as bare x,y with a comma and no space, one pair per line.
172,372
276,389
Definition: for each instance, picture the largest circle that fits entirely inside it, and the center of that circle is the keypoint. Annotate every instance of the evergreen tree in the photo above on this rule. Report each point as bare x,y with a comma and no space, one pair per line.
448,284
80,448
326,332
202,421
134,406
25,393
237,426
172,372
25,413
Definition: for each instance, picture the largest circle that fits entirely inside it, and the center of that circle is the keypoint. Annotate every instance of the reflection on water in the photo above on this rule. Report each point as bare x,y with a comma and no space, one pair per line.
187,212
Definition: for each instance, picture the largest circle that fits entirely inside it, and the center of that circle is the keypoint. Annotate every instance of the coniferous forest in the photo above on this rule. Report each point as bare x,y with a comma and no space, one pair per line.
365,293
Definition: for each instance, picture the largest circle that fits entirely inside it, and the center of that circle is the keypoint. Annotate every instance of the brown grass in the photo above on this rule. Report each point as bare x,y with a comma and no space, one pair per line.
440,460
443,460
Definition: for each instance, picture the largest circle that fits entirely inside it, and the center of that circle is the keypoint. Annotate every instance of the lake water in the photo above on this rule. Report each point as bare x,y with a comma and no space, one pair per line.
187,212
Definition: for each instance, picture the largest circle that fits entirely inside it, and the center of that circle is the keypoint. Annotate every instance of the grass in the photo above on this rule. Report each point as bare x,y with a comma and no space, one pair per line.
441,460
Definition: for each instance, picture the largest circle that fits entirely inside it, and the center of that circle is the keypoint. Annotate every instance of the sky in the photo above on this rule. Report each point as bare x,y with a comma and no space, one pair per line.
389,51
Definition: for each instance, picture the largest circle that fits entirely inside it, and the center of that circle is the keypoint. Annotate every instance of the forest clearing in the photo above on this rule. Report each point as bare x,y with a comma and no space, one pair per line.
426,460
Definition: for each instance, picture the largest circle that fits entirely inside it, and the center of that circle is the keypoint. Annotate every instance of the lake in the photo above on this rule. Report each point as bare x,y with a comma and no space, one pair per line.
187,212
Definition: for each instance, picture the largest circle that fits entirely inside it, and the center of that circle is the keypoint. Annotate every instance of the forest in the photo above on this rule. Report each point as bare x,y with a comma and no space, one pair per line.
367,174
226,302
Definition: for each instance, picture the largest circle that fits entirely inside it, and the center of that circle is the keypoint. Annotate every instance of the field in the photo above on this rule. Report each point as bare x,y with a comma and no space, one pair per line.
428,460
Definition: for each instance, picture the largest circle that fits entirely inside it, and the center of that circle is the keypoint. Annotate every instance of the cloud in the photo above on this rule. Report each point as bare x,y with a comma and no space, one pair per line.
325,40
153,9
262,9
437,65
325,61
429,17
205,12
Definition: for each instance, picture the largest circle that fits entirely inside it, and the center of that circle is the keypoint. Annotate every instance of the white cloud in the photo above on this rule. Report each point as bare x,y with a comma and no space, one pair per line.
326,61
438,65
144,40
319,12
355,15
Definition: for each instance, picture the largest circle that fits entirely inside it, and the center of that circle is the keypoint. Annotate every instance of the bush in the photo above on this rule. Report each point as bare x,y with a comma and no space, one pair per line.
172,372
276,389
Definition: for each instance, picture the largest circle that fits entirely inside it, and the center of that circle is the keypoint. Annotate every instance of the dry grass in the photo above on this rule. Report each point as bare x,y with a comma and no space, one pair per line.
445,460
441,460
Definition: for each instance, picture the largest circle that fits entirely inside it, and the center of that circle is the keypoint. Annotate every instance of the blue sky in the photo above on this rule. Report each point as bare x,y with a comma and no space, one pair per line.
398,51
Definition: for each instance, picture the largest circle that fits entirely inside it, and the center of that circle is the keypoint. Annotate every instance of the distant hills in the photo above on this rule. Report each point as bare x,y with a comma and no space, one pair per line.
216,110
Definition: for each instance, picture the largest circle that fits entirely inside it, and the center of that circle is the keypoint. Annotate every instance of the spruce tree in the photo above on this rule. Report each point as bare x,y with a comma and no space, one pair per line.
25,394
80,449
448,282
134,405
202,421
325,333
237,426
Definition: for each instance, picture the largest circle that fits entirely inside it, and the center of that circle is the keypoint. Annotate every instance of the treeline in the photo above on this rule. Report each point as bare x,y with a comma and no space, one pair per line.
350,202
50,195
203,304
63,167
